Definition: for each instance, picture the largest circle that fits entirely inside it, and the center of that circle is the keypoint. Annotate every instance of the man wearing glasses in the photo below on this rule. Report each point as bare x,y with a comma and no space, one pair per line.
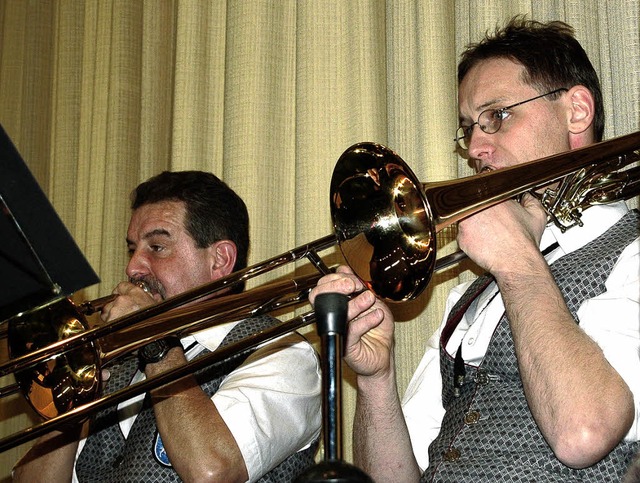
533,375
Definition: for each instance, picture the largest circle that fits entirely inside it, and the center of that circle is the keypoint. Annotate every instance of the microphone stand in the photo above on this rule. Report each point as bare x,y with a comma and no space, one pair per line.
331,322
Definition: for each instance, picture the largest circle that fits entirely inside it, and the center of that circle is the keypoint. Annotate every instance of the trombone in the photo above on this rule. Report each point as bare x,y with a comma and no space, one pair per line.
385,223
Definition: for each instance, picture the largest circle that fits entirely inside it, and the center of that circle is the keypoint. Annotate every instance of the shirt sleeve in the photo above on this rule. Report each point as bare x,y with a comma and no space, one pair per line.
612,320
422,402
272,403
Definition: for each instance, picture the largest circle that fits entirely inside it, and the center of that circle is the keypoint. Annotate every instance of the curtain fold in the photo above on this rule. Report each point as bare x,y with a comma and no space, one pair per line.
100,95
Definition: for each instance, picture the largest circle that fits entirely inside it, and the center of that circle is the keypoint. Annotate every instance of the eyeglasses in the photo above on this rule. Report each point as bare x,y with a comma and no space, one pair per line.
490,120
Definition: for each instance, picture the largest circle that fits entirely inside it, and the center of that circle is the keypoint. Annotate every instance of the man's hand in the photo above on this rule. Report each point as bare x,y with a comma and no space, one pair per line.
500,237
131,297
369,341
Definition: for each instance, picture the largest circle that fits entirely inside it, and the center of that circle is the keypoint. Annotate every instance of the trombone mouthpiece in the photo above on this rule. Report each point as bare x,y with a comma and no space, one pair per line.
142,284
90,307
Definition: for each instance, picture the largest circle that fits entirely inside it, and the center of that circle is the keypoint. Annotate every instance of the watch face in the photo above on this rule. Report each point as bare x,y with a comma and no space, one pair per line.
154,351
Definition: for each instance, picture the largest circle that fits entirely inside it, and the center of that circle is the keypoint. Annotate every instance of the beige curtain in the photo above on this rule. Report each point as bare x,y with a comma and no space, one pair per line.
98,95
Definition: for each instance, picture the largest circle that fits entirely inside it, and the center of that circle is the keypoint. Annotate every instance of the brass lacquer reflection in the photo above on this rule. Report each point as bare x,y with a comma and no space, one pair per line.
385,222
64,380
380,218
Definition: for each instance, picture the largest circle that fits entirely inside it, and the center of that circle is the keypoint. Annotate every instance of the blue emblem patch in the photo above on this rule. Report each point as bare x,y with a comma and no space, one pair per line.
160,453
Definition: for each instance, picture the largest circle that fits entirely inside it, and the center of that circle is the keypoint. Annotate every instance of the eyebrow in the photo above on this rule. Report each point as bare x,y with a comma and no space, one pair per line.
151,234
492,102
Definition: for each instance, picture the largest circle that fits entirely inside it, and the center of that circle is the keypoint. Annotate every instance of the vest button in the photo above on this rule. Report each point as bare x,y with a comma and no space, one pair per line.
452,454
482,378
472,417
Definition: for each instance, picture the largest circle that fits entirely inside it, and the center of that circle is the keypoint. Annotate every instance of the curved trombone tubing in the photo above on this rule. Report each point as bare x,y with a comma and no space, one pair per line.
386,220
379,210
80,413
446,202
83,338
78,359
254,341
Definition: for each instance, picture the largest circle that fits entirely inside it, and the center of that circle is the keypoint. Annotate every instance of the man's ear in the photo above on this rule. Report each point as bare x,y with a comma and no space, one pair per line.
224,253
580,113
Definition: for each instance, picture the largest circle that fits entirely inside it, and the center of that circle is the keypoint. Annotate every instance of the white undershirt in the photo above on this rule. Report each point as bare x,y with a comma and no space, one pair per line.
612,319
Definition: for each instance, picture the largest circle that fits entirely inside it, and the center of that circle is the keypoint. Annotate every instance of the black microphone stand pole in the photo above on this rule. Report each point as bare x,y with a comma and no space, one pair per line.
331,323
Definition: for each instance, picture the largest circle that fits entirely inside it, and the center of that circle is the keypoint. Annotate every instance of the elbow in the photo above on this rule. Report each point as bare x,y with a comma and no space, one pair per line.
580,450
586,445
215,471
212,477
586,439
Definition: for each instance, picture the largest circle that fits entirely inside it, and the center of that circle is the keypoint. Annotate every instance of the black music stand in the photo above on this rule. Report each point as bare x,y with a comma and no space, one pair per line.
331,323
39,259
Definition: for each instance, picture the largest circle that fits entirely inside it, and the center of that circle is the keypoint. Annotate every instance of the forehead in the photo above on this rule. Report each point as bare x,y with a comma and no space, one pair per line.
164,216
491,82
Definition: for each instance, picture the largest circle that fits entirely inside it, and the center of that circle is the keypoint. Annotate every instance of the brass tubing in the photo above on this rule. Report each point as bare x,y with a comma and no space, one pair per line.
386,220
78,340
380,211
454,200
79,414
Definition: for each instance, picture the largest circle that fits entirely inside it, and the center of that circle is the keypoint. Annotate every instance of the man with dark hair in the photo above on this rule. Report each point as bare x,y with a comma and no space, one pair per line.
251,418
533,375
213,211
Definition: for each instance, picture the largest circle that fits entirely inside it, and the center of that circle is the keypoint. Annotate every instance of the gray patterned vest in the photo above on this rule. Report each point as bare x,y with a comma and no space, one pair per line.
108,457
488,433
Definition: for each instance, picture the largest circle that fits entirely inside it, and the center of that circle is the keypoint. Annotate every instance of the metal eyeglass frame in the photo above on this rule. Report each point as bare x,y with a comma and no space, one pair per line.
492,119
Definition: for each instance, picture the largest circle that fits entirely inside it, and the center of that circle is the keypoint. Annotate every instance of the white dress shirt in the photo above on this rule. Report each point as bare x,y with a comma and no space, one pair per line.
271,403
612,319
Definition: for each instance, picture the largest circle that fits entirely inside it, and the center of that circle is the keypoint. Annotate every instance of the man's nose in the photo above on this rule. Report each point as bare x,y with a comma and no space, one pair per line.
138,266
481,144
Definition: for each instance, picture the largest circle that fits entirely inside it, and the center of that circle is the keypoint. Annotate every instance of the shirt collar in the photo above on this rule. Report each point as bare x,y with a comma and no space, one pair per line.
210,338
596,220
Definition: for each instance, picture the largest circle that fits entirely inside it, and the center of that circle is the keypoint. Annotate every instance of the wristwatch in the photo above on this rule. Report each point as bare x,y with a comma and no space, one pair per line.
156,351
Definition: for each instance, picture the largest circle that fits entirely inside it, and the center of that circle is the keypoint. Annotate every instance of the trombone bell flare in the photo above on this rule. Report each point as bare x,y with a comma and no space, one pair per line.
64,380
383,221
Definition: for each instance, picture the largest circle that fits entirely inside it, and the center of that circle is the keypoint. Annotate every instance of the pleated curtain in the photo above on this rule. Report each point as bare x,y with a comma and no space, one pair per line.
99,95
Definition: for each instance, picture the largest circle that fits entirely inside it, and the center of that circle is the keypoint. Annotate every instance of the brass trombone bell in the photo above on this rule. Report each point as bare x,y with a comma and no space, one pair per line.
385,222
